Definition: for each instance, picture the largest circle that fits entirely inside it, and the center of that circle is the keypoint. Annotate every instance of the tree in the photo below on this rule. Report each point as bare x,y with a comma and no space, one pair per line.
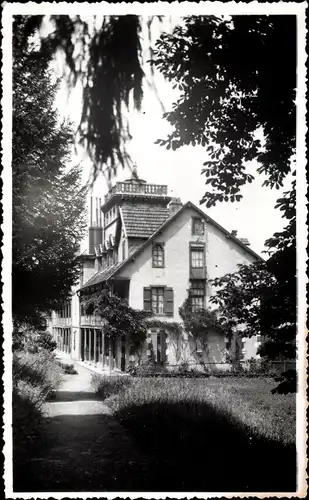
226,96
228,93
48,200
255,298
119,319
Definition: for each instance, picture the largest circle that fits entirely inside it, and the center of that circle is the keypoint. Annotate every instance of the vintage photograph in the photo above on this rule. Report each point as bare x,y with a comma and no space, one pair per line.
153,341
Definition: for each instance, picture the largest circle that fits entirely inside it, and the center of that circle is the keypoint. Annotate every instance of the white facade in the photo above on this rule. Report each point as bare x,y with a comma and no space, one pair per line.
129,239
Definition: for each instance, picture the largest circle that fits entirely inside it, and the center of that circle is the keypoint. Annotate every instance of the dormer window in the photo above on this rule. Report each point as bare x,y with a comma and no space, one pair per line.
197,226
158,255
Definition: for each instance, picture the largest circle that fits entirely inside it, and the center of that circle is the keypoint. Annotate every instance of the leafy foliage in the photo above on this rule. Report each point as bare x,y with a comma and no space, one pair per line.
48,200
168,326
119,319
255,298
226,96
199,323
108,65
288,383
35,377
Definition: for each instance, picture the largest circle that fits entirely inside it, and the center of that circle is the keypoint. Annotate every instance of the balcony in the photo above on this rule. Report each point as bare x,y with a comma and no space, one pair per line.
62,322
91,321
136,188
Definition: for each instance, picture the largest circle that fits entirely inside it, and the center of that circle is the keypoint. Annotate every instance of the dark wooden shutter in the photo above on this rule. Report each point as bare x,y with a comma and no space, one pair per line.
169,301
147,298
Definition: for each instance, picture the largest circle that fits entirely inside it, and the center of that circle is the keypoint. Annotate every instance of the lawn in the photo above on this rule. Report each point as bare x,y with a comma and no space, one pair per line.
210,434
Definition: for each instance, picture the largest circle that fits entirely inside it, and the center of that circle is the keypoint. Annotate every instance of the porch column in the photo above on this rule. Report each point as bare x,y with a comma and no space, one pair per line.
70,340
103,347
84,346
95,345
90,344
62,337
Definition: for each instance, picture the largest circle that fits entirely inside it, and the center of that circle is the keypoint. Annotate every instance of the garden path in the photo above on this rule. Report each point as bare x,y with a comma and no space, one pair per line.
85,448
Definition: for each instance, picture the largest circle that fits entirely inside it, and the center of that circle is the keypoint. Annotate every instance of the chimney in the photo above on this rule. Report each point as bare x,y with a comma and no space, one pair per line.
174,205
95,229
234,233
244,241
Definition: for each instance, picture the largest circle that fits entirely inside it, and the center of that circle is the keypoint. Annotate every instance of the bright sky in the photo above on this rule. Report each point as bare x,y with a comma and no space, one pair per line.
254,217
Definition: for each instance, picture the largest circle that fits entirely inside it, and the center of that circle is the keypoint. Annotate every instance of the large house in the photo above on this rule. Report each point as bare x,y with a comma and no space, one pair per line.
152,250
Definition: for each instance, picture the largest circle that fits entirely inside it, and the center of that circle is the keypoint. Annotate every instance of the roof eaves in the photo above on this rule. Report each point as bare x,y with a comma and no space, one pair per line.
141,248
227,233
122,221
169,220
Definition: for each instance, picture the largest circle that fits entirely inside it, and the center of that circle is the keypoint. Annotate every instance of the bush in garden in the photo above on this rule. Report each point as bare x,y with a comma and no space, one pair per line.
35,377
107,386
68,368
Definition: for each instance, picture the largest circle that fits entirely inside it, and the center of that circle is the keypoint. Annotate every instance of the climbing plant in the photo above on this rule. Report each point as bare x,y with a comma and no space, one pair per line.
199,323
119,319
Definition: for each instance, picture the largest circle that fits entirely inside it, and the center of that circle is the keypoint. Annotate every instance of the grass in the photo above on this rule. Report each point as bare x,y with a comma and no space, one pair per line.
208,434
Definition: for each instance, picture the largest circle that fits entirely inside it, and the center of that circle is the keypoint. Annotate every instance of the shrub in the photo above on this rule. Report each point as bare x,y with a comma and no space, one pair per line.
38,369
106,386
68,368
35,376
45,341
288,383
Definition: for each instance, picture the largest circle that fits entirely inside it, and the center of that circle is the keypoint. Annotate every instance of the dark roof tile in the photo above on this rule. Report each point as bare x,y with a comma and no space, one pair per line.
142,220
102,275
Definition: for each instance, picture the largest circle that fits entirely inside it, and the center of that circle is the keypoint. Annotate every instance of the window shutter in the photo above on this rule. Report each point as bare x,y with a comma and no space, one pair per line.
169,301
147,298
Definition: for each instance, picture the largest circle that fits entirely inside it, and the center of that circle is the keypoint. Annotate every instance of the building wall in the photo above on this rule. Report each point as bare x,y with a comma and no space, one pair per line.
222,256
185,349
250,346
88,269
122,239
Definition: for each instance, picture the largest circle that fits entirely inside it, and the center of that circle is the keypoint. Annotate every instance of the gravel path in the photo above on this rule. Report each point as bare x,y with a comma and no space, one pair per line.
85,448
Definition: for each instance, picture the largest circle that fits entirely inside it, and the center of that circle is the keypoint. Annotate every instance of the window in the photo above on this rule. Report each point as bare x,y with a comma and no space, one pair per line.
158,255
197,293
197,257
123,250
258,338
197,226
157,300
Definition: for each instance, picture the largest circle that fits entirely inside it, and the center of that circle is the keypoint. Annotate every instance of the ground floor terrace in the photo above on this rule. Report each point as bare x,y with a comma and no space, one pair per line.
91,345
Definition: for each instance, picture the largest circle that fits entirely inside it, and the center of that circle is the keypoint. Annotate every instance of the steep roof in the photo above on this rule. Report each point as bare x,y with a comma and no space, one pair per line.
102,275
142,220
171,219
112,271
